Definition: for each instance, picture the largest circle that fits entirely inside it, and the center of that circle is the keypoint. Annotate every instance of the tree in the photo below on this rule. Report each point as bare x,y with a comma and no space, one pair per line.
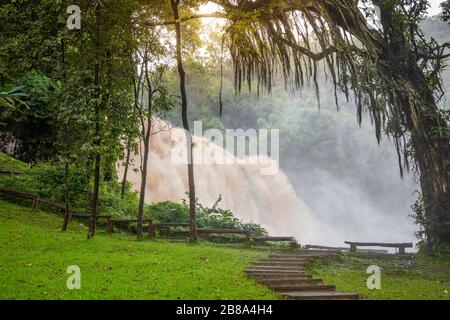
158,101
98,93
190,164
445,5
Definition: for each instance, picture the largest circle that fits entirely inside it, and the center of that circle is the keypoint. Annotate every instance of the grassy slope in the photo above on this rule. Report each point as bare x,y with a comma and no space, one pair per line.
8,163
35,254
412,279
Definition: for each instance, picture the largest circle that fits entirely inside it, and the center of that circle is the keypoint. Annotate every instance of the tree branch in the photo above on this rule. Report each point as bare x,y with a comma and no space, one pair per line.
218,15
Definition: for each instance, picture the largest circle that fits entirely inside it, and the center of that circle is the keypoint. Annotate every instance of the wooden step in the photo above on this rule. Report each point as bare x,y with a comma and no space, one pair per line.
303,287
277,268
273,276
281,264
276,274
271,270
285,260
307,252
293,256
290,281
319,295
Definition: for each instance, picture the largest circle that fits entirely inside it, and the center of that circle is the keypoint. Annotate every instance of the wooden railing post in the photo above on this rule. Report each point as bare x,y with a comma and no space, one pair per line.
109,225
36,202
247,239
151,229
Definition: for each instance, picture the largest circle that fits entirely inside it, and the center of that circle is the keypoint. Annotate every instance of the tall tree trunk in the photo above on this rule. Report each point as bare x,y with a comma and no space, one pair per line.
146,133
95,190
66,146
97,140
94,201
125,171
144,171
66,196
192,215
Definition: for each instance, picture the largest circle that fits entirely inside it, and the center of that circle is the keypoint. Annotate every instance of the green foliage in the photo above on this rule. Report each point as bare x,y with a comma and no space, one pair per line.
168,211
29,37
35,256
419,216
210,218
218,218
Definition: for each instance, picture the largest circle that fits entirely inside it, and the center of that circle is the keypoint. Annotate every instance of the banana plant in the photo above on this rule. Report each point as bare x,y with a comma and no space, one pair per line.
12,97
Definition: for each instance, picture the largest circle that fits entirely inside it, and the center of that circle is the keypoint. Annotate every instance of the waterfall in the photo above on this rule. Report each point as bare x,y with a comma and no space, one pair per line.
267,200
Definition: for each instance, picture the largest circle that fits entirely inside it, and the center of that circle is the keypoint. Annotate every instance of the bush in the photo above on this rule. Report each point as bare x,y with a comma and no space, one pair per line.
210,218
168,212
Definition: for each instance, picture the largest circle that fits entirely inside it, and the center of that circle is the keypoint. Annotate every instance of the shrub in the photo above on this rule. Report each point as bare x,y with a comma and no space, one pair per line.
210,218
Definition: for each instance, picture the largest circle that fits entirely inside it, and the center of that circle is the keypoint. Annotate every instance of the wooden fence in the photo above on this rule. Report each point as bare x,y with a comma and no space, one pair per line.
152,227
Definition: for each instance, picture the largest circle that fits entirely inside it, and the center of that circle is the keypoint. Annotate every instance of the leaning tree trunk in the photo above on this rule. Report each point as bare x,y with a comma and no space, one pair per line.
397,61
432,155
192,215
431,151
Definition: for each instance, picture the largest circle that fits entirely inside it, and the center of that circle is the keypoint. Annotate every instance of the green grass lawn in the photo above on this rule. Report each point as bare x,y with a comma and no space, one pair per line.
35,254
410,278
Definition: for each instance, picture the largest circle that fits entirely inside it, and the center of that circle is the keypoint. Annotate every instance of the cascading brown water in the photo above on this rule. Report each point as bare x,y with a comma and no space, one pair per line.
267,200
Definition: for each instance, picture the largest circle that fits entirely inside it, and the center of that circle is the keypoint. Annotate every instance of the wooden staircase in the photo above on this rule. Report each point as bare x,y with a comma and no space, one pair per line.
284,273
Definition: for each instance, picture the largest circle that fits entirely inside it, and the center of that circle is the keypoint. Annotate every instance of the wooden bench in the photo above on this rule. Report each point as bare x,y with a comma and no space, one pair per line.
401,246
326,248
293,242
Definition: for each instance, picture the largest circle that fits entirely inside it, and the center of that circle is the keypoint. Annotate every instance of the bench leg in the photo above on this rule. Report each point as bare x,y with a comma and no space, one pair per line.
353,247
401,250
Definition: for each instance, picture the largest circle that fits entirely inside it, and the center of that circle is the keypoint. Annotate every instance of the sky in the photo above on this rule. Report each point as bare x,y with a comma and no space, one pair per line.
435,9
